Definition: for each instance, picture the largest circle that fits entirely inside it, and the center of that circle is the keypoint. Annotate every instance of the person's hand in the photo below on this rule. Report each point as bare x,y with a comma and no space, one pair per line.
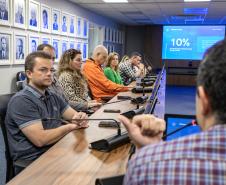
94,103
130,86
80,124
144,129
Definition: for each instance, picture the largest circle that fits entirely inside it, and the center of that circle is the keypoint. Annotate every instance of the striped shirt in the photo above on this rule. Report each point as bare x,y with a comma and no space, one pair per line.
197,159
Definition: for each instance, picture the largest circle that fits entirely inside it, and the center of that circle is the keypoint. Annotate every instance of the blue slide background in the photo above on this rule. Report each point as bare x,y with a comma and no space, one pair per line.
199,39
176,123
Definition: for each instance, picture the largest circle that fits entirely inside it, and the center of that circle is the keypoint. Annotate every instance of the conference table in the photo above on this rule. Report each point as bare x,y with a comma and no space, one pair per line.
71,161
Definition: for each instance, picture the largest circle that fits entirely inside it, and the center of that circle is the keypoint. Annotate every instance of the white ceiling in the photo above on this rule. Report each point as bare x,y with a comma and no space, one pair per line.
146,12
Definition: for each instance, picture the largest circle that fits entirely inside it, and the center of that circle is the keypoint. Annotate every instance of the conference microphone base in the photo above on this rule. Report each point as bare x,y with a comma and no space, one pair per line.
106,145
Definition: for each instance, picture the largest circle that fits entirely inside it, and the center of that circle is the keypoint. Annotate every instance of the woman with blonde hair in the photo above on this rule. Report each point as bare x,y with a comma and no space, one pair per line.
72,80
111,68
125,58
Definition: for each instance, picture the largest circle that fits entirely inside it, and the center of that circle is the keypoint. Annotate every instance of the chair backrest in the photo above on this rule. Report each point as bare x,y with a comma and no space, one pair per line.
20,76
4,99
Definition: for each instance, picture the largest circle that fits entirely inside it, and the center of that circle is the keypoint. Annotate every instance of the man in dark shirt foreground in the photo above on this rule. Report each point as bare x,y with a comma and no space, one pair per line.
29,133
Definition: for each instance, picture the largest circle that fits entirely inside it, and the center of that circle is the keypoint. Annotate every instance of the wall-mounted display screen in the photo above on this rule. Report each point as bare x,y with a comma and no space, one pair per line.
189,42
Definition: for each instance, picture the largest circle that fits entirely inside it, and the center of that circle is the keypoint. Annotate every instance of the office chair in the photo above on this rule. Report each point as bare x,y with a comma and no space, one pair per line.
20,78
114,180
103,99
4,99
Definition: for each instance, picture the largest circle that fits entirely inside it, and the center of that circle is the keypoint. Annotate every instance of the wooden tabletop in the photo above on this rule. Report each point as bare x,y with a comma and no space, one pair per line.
71,161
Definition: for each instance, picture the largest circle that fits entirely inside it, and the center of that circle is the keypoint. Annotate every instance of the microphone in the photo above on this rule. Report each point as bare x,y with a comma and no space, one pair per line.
139,89
130,114
194,122
116,101
104,145
140,99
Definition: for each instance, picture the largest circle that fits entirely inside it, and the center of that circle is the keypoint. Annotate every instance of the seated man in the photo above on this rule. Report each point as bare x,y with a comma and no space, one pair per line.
195,159
33,118
130,70
99,84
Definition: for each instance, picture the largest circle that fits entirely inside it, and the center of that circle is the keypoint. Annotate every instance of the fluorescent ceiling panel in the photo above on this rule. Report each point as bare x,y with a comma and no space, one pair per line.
115,1
196,0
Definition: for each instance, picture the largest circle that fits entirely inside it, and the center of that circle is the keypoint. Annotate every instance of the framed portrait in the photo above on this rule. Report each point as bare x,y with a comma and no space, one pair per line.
78,45
33,43
33,15
105,34
19,13
45,18
64,23
5,14
45,40
120,37
79,27
84,51
115,36
72,44
56,21
85,28
64,45
5,47
20,47
109,34
72,25
56,44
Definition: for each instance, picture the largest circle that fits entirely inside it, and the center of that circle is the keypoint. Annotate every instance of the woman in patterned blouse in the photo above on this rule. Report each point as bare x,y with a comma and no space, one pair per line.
72,81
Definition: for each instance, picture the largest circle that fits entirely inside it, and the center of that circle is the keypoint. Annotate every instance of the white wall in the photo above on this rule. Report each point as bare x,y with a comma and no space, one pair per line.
8,73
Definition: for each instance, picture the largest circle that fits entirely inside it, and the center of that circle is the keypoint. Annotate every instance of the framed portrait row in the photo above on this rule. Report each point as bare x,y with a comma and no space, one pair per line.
14,46
113,35
32,15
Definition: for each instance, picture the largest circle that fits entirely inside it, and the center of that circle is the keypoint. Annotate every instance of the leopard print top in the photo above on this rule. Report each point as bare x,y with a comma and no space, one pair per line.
75,87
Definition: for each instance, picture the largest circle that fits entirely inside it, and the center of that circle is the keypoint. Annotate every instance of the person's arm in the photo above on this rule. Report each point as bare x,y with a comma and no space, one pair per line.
144,129
109,74
97,77
69,87
41,137
25,114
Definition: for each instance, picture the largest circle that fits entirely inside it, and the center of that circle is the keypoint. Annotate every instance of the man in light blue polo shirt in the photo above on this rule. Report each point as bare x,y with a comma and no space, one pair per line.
30,130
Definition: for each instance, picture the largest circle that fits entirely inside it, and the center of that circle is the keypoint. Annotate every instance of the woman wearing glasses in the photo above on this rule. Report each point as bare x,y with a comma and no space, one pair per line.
73,82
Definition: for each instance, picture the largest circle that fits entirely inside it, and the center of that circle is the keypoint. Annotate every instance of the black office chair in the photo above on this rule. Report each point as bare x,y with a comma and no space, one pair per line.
4,99
20,78
114,180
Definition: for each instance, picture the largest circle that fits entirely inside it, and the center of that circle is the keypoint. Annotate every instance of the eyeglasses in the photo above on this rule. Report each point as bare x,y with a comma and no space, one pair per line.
53,58
46,70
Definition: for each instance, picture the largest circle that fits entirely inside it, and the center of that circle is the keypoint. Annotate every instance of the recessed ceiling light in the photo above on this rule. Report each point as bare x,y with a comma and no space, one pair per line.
115,1
196,0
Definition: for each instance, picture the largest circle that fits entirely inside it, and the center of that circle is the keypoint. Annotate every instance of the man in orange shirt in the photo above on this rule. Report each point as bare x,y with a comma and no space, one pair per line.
98,83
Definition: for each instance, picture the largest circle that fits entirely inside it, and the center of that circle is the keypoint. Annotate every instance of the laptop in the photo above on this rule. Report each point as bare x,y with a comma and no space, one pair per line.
176,121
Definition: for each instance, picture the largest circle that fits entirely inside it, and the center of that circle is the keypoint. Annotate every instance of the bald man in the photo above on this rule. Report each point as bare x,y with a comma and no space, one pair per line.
100,86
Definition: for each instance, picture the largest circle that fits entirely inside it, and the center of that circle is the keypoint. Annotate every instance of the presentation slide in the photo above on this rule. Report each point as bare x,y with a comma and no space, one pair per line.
189,42
176,123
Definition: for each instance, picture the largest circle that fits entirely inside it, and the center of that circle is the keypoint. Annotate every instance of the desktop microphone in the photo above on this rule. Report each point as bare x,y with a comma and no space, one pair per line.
117,101
194,122
107,144
140,99
139,89
130,114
